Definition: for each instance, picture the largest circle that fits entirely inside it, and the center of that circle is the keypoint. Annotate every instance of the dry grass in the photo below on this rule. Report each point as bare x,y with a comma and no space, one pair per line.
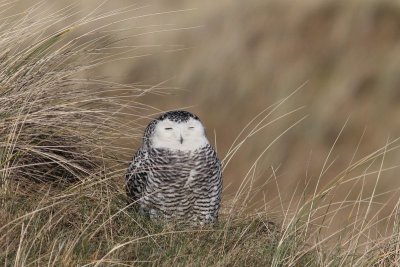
61,174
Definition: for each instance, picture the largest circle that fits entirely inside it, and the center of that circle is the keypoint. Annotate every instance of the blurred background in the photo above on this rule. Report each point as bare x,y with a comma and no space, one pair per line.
227,61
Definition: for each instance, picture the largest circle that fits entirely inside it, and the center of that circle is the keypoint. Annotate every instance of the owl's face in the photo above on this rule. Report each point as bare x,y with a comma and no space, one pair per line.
178,130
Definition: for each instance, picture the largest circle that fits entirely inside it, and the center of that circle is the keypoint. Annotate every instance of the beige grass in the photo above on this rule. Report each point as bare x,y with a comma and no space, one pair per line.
61,171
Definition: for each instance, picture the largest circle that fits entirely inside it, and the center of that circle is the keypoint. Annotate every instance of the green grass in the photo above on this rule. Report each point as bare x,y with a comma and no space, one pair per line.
62,195
80,229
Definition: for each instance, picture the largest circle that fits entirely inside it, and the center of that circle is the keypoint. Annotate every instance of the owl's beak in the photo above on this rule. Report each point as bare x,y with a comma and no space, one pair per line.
181,140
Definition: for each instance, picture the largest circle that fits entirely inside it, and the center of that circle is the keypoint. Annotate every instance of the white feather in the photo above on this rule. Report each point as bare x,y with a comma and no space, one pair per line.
185,136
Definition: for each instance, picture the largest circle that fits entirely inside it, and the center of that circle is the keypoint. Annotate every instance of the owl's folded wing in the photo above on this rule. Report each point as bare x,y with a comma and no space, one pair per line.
136,176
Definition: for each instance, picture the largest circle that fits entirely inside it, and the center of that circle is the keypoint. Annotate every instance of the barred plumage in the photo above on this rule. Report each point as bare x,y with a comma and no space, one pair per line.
176,174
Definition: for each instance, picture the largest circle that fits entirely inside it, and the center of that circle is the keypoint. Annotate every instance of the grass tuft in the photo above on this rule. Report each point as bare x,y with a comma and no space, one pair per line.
62,197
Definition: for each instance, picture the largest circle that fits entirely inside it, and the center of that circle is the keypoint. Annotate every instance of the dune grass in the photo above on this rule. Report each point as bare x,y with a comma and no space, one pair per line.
62,192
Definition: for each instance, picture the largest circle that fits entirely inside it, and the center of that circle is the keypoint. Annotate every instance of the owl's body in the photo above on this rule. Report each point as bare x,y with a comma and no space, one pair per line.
173,180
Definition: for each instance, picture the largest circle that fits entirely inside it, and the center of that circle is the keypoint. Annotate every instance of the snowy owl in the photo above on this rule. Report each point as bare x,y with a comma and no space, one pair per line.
176,174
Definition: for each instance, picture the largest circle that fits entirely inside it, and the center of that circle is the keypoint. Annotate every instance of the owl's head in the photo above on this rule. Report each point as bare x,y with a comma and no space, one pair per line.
176,130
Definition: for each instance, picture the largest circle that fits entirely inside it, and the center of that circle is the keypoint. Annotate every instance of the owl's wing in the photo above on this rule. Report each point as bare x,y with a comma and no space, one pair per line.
136,176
